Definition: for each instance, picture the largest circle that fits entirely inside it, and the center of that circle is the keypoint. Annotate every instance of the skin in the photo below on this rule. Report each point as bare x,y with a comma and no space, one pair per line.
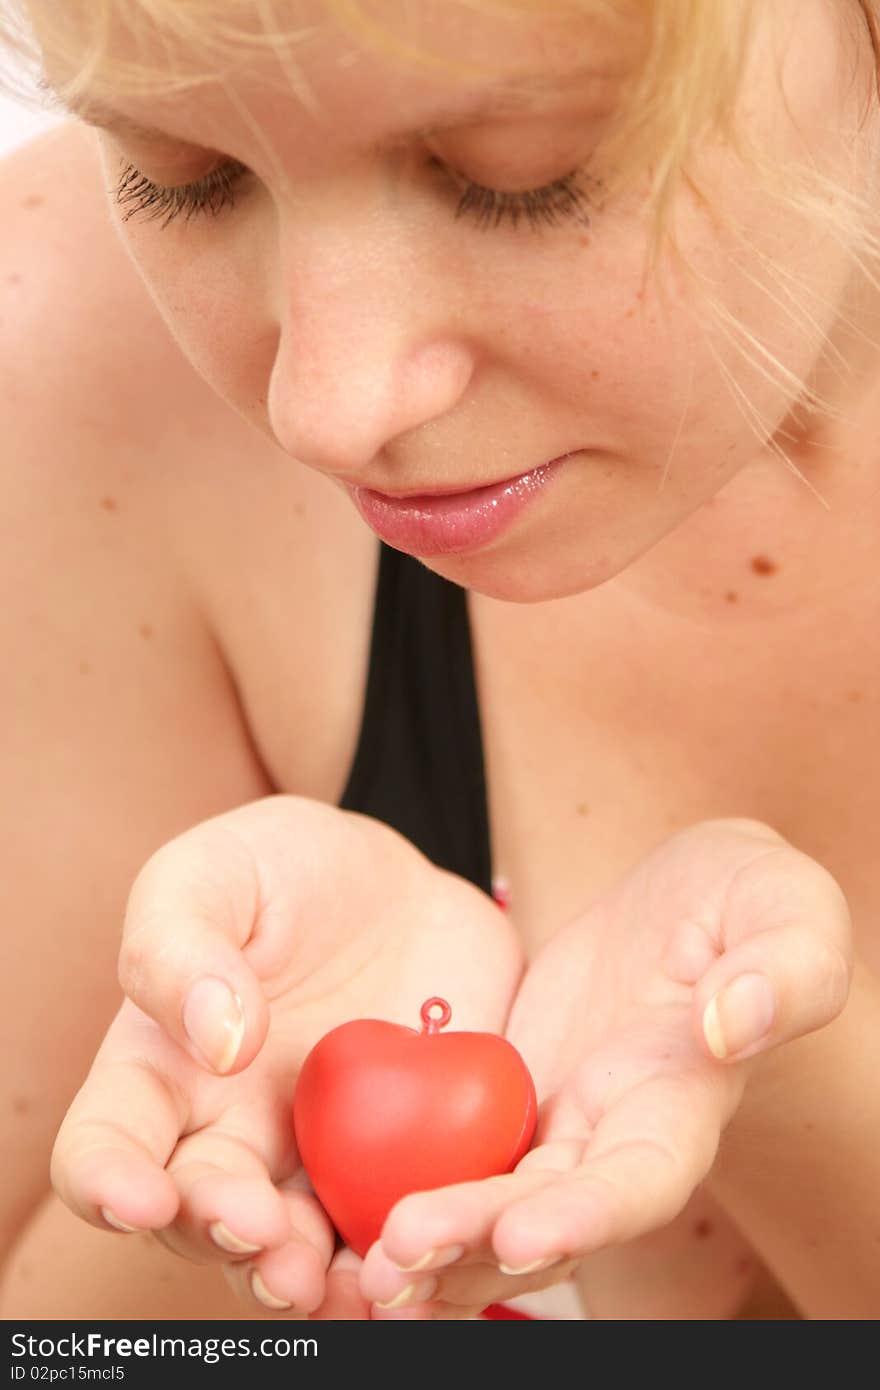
365,253
437,378
632,1099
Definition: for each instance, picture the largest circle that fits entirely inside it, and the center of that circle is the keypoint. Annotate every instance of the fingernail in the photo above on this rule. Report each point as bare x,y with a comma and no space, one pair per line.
433,1259
260,1292
116,1223
544,1263
739,1015
418,1292
222,1236
214,1022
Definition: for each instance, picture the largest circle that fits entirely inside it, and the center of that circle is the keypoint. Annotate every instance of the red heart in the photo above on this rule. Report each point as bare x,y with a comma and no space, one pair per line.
381,1110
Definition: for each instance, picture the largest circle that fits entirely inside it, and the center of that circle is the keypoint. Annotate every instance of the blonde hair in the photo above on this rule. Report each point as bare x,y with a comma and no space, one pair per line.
686,83
684,88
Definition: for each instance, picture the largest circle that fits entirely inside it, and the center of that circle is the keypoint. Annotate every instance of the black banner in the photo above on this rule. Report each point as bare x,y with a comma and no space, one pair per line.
288,1353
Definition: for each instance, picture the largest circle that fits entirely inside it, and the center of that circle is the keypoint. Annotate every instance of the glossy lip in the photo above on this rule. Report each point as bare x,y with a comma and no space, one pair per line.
450,523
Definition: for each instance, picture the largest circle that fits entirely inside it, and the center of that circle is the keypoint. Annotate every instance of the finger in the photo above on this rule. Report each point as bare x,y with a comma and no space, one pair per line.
214,920
427,1312
343,1299
292,1278
108,1161
638,1170
465,1286
577,1191
227,1176
787,959
429,1231
191,910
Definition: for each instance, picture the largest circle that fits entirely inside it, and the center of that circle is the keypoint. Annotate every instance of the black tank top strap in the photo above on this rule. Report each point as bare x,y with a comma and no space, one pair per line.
419,765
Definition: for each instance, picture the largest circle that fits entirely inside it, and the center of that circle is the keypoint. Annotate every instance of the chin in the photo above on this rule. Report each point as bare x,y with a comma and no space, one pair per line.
515,580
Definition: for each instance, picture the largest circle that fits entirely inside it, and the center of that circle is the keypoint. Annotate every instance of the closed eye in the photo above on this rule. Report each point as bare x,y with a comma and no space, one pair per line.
553,203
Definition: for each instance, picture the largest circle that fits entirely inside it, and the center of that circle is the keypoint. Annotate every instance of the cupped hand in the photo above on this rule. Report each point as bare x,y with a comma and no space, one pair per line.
640,1021
246,940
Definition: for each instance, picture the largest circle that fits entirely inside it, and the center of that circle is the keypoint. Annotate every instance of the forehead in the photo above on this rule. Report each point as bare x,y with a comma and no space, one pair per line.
364,72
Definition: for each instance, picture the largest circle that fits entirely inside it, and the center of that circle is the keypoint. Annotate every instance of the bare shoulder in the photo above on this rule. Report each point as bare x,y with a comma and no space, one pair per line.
76,319
119,448
152,548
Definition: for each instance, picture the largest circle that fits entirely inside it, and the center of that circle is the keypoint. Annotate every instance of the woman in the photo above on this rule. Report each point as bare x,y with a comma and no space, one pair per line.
577,308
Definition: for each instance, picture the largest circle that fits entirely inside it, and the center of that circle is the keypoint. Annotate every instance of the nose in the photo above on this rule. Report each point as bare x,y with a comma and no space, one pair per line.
369,347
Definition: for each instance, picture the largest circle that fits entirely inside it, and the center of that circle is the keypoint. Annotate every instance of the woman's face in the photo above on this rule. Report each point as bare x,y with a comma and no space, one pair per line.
401,333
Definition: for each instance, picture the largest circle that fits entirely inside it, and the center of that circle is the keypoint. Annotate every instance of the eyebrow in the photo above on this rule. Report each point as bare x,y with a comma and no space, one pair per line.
507,99
104,117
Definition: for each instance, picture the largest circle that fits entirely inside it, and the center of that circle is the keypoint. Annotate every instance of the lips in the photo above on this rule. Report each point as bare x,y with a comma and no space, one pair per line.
435,492
447,523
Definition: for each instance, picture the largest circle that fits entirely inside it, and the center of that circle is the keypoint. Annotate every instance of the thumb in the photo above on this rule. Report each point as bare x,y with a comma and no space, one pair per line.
192,908
787,961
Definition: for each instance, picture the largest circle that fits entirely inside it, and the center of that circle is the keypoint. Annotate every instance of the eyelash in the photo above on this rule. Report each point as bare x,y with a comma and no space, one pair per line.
547,206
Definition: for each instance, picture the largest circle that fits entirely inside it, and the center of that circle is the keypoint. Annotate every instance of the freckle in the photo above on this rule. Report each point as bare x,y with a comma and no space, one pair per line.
854,697
702,1229
109,504
594,376
583,809
25,1270
299,508
85,669
34,200
629,313
762,564
146,631
640,294
584,240
809,1126
20,1105
743,1265
14,278
731,596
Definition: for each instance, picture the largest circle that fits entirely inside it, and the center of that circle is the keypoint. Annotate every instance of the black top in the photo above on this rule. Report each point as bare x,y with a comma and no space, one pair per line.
418,765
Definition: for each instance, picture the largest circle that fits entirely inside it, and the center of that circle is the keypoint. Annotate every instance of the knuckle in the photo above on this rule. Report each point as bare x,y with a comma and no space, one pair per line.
141,957
834,973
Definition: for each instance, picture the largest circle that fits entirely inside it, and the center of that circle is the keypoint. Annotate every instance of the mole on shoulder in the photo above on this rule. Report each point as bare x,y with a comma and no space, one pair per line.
732,596
702,1228
33,200
762,564
146,631
109,504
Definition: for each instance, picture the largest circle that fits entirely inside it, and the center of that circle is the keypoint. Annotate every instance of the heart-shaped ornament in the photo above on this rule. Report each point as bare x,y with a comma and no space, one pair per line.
381,1110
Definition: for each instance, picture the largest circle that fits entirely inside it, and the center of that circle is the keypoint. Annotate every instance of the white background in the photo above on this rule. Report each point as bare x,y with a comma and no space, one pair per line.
19,124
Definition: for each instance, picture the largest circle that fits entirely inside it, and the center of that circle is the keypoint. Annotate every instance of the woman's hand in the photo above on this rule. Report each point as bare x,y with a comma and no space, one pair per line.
638,1021
246,940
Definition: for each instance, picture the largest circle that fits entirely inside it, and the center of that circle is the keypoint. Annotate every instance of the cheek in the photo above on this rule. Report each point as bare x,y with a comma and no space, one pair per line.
215,304
600,347
711,359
